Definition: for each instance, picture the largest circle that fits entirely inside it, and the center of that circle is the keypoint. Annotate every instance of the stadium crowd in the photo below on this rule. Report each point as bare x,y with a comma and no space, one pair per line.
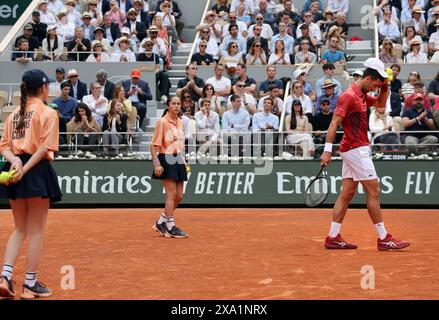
234,35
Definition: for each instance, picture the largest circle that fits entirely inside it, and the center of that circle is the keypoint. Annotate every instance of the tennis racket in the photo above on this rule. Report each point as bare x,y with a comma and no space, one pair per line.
318,189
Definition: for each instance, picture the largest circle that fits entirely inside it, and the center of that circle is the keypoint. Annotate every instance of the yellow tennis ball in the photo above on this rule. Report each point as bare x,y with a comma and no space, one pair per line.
188,168
7,176
390,74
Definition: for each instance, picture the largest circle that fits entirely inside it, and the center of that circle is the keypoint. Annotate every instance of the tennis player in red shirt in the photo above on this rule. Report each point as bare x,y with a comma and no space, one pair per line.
351,113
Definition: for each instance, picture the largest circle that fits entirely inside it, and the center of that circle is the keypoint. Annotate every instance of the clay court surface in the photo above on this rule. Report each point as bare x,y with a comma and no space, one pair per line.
233,254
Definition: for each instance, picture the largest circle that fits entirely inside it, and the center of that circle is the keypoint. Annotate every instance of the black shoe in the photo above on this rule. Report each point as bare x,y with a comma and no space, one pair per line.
175,232
6,288
39,290
160,228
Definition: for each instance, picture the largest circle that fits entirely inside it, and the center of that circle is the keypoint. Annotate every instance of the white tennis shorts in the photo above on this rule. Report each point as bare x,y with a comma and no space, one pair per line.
358,165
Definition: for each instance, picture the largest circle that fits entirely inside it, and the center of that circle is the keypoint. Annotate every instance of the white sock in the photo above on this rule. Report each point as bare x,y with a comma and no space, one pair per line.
335,229
381,230
7,271
162,218
31,278
170,223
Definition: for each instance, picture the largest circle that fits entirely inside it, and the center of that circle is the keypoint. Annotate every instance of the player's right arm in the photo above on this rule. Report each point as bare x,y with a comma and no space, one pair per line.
325,159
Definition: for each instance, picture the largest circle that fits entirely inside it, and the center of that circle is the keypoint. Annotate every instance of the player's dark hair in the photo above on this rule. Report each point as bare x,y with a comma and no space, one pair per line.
372,73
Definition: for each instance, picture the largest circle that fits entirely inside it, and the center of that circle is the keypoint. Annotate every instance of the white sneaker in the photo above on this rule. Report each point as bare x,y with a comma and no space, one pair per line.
88,154
80,153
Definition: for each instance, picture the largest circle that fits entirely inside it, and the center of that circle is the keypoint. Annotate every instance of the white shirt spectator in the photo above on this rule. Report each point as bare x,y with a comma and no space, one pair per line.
389,30
261,119
207,124
104,58
242,27
97,110
280,103
319,84
66,31
420,58
314,29
47,18
406,16
249,6
406,44
274,60
239,119
394,16
419,3
212,47
55,6
287,39
249,99
434,39
242,44
306,104
159,47
338,5
117,55
166,21
219,85
266,32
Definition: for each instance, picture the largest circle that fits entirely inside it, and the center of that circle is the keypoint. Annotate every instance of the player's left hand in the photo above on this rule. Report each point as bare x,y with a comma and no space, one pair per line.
17,165
325,159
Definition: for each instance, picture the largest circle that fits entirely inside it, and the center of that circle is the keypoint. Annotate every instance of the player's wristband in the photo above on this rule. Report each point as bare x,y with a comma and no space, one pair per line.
156,162
328,147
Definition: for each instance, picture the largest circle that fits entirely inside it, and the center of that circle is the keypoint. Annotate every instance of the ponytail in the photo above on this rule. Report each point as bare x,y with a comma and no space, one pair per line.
23,99
293,120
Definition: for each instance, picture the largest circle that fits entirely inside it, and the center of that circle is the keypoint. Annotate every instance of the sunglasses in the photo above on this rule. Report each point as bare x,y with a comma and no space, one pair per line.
241,86
259,18
233,47
187,97
257,45
305,42
297,87
203,46
307,16
73,76
193,68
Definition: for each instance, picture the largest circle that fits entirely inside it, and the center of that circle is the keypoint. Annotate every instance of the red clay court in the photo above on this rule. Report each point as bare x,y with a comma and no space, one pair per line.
233,254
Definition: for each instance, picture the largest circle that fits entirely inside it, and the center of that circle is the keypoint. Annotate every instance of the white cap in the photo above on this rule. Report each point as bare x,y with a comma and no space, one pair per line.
125,30
72,72
51,27
377,65
358,73
298,72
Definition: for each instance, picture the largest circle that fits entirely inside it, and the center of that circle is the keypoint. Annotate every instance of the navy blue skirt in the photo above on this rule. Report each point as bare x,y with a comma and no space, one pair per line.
174,168
40,181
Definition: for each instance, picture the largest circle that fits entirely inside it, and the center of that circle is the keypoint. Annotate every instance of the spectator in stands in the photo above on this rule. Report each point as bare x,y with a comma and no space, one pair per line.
284,36
242,15
210,95
73,13
250,83
266,13
433,42
335,31
297,93
340,21
103,6
237,119
202,57
388,29
277,103
297,127
160,46
288,9
132,42
65,29
111,29
339,5
212,47
161,77
107,87
214,28
321,121
142,16
248,102
66,104
248,4
406,3
328,19
231,58
208,127
191,82
33,42
307,5
383,5
433,89
395,84
314,29
386,54
382,129
332,54
291,28
433,12
257,37
329,94
169,20
127,107
124,53
55,87
256,55
328,70
114,128
39,29
416,55
55,6
418,88
87,27
137,90
316,12
116,15
86,127
79,47
265,122
96,15
305,36
221,84
53,46
98,54
161,32
97,103
279,56
188,106
241,26
300,75
266,32
408,88
137,29
234,37
99,36
418,22
409,36
356,75
23,55
176,13
46,16
125,6
221,7
271,80
304,55
432,24
418,119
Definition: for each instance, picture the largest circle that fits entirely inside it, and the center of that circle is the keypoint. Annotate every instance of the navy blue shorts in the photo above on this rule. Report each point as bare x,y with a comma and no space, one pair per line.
174,168
40,181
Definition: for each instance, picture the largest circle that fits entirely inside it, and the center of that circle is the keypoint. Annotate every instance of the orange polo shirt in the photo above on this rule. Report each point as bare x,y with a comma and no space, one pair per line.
41,129
169,135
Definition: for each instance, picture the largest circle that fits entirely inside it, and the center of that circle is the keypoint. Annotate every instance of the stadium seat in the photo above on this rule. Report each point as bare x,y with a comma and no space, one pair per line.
16,98
6,111
3,98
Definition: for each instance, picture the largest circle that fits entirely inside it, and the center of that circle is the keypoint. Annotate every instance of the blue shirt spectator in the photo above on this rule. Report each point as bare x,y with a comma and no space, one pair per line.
333,56
66,106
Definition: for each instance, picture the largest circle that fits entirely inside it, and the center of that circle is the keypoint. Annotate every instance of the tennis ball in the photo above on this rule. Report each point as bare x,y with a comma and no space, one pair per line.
188,168
7,176
389,73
